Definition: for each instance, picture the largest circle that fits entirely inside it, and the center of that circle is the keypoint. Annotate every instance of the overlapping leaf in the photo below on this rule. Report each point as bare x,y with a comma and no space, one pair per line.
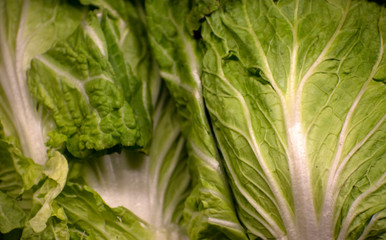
209,211
88,86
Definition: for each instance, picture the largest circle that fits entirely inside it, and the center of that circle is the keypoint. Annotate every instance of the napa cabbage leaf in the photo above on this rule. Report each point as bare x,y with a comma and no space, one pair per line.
296,94
192,119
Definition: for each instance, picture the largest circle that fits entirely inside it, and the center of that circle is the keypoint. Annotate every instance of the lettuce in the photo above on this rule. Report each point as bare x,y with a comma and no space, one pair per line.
192,119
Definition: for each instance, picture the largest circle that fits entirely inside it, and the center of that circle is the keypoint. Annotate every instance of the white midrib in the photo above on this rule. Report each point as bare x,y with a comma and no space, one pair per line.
305,214
73,80
26,119
90,31
155,197
167,216
305,217
306,220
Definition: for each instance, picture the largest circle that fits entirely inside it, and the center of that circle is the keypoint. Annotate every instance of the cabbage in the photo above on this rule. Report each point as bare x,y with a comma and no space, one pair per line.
200,119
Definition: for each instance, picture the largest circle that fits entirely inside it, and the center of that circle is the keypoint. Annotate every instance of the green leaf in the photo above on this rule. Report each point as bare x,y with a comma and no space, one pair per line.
17,173
134,43
90,218
11,215
29,28
298,118
56,170
209,211
56,227
86,84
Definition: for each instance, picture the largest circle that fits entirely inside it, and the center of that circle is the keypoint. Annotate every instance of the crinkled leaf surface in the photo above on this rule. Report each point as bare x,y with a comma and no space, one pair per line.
275,128
95,100
29,28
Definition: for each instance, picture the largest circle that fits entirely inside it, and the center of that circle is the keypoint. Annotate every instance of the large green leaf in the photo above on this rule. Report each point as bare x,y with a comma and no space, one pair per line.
295,90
